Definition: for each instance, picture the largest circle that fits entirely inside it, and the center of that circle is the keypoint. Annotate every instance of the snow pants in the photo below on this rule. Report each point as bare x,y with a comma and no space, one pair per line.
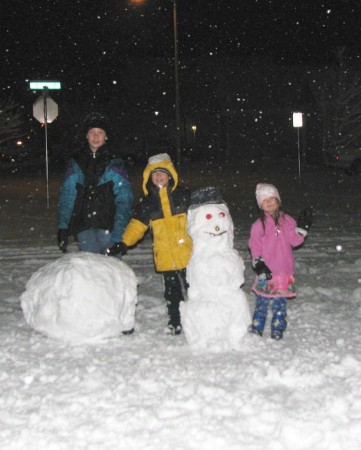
279,314
95,240
174,284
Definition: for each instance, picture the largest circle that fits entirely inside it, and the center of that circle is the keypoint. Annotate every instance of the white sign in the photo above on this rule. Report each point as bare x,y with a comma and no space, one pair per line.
45,84
45,106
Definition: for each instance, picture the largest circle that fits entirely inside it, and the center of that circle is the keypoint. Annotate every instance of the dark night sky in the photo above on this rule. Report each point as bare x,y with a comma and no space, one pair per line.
90,47
82,41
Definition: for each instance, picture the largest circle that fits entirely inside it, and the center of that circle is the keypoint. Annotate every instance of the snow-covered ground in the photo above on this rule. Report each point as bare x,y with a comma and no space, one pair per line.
152,391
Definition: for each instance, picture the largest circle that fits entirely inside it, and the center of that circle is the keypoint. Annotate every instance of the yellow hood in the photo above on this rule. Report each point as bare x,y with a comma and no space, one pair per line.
154,163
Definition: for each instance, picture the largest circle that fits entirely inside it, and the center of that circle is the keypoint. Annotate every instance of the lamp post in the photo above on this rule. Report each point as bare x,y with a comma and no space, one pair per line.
177,88
298,123
176,79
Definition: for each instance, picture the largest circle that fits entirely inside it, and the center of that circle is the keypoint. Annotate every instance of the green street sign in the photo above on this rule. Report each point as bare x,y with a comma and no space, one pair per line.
45,84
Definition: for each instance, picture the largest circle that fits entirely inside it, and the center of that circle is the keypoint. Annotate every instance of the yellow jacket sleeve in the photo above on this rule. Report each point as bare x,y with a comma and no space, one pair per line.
134,232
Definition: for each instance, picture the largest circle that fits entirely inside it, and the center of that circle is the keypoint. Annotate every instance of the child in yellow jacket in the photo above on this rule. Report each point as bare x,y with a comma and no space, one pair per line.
164,209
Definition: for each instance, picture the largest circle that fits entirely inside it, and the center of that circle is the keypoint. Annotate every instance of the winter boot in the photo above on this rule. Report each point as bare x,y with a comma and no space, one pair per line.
174,326
255,331
277,335
173,330
128,332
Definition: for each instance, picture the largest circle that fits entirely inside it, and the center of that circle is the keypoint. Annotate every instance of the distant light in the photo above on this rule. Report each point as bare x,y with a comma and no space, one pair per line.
45,84
19,142
297,119
339,248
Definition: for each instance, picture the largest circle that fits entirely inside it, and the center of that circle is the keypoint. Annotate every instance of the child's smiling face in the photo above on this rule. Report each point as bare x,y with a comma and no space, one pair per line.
96,138
270,205
160,178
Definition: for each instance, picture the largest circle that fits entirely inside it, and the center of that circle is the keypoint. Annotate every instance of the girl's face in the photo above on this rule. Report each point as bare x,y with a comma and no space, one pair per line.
160,178
270,205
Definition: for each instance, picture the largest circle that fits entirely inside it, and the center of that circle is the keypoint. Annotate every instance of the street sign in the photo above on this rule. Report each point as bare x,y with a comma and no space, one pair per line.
45,107
45,110
37,85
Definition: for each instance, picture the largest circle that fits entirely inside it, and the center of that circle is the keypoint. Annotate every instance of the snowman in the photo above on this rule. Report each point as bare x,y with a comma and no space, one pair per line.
81,298
216,315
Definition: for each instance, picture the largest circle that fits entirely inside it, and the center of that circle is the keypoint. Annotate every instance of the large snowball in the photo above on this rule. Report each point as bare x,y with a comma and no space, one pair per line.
216,315
81,297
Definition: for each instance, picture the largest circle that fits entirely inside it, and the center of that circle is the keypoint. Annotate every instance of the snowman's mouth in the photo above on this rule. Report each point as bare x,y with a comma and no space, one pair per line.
215,234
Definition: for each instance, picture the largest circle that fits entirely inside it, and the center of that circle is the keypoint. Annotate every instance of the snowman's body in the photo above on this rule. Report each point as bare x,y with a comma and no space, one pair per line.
216,314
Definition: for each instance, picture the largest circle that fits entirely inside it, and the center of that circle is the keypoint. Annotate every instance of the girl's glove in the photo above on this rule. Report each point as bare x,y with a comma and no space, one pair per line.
261,269
118,247
304,221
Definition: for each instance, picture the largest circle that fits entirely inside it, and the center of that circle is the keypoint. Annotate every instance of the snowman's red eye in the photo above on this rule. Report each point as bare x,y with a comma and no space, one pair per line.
209,216
221,214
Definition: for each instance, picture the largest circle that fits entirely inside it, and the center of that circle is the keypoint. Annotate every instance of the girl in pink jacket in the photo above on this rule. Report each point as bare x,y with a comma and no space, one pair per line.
273,237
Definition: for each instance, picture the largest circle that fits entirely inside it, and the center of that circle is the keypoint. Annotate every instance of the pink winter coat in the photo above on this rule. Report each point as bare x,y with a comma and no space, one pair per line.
275,245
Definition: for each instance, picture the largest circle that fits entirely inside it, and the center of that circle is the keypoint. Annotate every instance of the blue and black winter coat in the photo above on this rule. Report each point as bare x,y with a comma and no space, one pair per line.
96,193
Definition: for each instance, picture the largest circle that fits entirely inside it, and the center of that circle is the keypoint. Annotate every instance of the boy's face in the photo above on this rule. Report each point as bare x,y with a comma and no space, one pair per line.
160,179
96,138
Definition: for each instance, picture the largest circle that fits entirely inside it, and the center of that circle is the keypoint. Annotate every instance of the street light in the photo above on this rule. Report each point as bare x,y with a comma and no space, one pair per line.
176,79
194,129
298,123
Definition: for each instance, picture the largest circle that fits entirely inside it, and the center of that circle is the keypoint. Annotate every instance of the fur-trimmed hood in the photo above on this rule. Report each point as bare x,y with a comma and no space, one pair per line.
161,161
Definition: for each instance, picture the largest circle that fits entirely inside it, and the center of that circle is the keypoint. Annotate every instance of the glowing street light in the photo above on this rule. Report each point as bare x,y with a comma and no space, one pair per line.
298,123
194,129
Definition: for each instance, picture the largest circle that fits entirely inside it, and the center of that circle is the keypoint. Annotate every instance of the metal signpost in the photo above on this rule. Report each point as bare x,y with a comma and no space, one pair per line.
298,123
45,110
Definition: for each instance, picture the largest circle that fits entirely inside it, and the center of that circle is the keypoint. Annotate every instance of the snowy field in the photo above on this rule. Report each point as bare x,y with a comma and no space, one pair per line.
150,390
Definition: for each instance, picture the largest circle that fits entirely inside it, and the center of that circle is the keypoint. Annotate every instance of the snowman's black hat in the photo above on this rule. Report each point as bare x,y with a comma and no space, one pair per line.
205,196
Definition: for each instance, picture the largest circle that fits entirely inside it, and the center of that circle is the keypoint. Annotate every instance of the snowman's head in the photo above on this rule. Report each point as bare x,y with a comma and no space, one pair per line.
211,224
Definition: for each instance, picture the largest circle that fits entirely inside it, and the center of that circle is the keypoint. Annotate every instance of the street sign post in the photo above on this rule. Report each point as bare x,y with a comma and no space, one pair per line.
45,110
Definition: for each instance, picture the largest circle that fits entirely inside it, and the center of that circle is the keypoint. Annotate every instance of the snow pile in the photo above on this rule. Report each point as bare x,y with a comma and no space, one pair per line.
81,297
216,315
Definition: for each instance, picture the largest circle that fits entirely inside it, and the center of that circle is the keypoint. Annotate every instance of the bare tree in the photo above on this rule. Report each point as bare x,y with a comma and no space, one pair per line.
337,90
11,120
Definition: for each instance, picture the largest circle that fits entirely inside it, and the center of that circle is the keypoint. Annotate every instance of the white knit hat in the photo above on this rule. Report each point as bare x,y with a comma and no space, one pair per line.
264,191
155,159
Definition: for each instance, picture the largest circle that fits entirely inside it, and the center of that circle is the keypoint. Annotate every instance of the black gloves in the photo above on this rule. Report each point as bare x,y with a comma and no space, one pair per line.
118,247
304,221
62,240
261,269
